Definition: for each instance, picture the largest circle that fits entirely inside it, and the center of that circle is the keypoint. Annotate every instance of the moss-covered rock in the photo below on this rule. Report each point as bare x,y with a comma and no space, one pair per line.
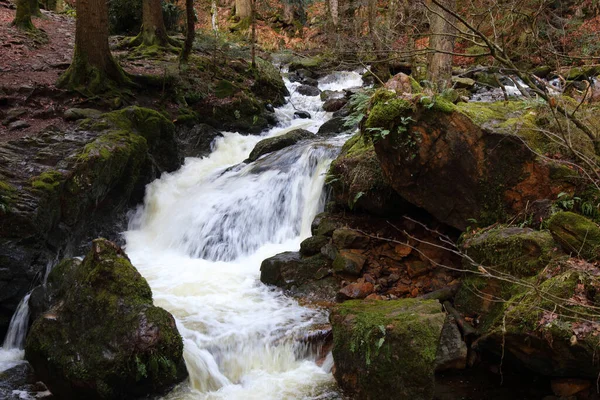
359,183
576,234
520,252
313,245
551,327
102,338
386,349
77,184
460,163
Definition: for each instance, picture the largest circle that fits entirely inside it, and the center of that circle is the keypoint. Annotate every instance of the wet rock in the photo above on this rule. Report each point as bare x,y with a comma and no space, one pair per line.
196,141
343,112
302,115
329,251
13,115
307,90
269,107
349,262
520,252
308,277
102,338
324,224
513,176
313,245
327,95
18,125
386,349
576,234
270,145
73,114
569,387
310,82
452,350
333,105
20,382
345,238
357,290
334,126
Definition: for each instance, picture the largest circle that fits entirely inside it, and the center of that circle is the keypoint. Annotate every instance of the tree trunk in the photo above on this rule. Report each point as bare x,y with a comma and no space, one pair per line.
253,21
23,17
334,10
153,31
93,69
439,71
214,11
190,32
243,8
35,8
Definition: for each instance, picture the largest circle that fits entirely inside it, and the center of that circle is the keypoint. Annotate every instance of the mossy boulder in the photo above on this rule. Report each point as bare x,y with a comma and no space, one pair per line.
551,327
306,277
359,183
386,349
459,163
77,185
520,252
268,84
102,338
313,245
576,234
272,144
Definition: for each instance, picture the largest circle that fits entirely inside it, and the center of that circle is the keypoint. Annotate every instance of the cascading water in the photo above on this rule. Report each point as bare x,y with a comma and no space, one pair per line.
11,352
199,240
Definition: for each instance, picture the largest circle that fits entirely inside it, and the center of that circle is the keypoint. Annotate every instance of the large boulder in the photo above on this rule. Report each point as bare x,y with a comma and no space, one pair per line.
77,185
102,338
386,349
466,162
196,140
270,145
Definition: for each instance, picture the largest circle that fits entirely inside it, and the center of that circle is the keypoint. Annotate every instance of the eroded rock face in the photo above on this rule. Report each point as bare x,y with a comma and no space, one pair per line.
455,163
102,338
386,349
59,188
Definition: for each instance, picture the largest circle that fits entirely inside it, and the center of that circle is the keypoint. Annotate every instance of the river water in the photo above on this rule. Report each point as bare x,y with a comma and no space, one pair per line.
200,238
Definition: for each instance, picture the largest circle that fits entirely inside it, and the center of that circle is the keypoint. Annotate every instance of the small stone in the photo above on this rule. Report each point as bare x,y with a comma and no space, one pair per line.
310,82
74,114
566,387
18,125
463,83
416,268
345,238
348,262
452,351
356,291
333,105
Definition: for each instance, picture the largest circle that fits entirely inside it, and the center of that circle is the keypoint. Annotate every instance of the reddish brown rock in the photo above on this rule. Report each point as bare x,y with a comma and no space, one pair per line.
568,387
356,291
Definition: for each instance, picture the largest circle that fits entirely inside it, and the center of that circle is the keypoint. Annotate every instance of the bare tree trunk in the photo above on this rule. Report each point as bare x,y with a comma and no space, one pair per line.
253,13
23,17
335,12
214,15
93,69
243,8
190,31
153,31
439,71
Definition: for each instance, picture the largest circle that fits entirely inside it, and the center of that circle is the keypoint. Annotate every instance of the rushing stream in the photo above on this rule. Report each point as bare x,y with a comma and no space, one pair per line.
199,240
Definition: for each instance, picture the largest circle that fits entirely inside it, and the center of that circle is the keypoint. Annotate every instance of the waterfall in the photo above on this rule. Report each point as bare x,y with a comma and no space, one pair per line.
199,240
11,352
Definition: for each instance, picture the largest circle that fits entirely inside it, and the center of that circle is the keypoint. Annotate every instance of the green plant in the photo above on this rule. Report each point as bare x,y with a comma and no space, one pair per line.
359,104
566,201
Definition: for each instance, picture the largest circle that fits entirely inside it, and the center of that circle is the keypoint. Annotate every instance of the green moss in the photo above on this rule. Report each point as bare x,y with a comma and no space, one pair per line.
49,181
490,113
414,85
7,196
224,89
387,114
387,345
516,251
578,235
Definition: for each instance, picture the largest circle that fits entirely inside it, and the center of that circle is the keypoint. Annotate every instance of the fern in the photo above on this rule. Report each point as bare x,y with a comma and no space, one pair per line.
359,103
